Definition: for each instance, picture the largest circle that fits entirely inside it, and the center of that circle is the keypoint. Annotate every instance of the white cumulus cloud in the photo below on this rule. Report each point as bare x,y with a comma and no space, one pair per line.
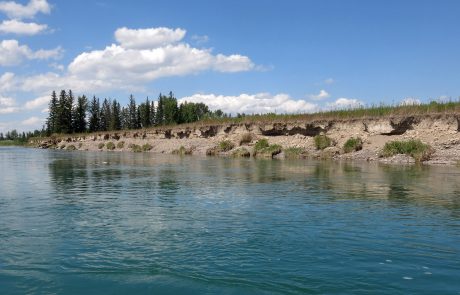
345,103
19,11
21,28
145,55
148,38
7,102
253,103
12,53
33,121
321,95
37,102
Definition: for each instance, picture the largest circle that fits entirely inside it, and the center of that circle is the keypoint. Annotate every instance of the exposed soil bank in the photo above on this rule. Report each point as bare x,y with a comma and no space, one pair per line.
441,132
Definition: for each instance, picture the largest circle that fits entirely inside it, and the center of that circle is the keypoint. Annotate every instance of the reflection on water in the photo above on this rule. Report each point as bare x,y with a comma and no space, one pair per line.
139,223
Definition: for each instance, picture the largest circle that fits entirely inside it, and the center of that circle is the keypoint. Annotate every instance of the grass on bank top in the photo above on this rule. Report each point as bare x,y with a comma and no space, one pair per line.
375,111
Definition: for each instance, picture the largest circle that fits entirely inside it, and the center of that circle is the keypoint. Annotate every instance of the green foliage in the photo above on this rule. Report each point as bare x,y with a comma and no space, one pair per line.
110,146
294,153
120,144
71,147
100,145
226,145
182,151
146,147
246,138
135,148
80,145
414,148
62,146
322,142
241,153
269,151
261,144
353,144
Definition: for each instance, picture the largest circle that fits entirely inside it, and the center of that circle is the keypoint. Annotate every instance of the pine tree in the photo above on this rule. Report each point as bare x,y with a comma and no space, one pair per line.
170,109
94,113
115,118
79,114
52,121
144,114
159,118
133,113
106,114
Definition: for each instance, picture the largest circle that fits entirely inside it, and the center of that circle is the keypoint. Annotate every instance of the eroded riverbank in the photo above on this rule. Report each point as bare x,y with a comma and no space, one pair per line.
441,132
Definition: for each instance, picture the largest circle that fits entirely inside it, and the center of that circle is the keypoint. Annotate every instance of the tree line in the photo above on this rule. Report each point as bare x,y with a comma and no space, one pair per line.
70,115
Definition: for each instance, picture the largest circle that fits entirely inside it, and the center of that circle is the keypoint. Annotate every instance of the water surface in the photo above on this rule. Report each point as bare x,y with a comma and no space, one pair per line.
122,223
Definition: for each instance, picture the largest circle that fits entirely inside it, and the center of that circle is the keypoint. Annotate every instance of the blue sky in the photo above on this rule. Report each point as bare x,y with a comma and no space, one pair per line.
240,56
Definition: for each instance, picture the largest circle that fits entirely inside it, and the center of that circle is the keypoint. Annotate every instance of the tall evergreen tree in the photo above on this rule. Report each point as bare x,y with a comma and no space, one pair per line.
79,114
52,121
133,114
144,114
94,115
159,116
105,116
115,118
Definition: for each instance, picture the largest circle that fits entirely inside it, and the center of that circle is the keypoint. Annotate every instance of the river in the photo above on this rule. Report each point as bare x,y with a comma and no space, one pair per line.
125,223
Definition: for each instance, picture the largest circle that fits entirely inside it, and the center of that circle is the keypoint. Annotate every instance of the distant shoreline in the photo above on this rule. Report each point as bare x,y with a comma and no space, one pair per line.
291,138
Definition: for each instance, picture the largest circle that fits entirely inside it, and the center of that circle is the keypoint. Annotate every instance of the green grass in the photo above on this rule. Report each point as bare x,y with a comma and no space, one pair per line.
268,152
414,148
110,146
226,145
135,148
120,144
12,143
147,147
322,142
71,147
261,144
294,153
100,145
182,151
353,144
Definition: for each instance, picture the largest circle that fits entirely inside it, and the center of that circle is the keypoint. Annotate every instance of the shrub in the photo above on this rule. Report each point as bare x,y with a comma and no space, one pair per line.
268,152
226,145
71,147
322,142
352,145
136,148
414,148
80,145
146,147
241,153
62,146
182,151
120,144
261,144
100,145
245,138
294,153
110,146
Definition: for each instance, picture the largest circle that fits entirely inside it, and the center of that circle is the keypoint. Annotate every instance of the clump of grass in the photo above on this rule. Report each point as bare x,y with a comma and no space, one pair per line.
294,153
71,147
120,144
414,148
80,144
147,147
353,145
182,151
110,146
269,151
62,146
226,145
322,141
261,144
100,145
241,153
246,138
135,148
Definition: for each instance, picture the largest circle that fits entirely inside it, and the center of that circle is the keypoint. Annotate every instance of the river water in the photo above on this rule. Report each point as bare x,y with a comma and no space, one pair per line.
123,223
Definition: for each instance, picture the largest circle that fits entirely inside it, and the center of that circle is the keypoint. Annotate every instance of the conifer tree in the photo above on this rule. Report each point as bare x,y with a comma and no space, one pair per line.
52,121
79,114
94,113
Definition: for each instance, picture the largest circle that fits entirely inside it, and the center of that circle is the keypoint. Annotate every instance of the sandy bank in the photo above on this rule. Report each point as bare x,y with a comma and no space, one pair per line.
441,132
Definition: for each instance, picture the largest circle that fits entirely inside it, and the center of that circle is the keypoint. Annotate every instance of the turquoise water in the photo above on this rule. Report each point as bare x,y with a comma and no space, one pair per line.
121,223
